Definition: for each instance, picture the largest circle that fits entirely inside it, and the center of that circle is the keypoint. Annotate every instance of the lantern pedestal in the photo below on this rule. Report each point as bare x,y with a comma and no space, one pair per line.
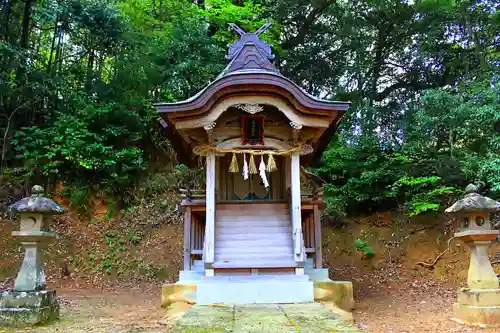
26,308
480,303
481,274
29,303
479,307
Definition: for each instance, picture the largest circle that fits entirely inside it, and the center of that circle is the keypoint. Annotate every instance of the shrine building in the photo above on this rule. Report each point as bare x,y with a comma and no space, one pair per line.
253,234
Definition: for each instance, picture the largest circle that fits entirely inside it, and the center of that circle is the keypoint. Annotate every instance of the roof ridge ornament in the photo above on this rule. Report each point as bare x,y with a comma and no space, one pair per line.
250,52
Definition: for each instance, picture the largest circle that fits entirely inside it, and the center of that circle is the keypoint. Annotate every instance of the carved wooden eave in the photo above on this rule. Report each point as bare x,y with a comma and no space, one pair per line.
250,79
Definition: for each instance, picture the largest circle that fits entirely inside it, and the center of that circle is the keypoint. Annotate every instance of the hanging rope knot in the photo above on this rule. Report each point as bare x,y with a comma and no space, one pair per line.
204,150
250,167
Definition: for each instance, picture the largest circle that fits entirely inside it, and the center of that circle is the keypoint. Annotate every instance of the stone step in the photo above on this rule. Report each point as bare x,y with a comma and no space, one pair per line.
198,266
255,278
256,263
191,276
247,224
269,238
257,231
252,250
264,256
252,218
258,291
228,243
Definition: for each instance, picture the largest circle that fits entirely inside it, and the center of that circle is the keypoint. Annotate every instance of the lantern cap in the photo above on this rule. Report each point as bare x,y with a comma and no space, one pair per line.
37,203
474,202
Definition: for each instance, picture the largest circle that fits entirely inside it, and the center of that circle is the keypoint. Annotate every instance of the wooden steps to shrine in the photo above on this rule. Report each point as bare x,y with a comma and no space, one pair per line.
253,236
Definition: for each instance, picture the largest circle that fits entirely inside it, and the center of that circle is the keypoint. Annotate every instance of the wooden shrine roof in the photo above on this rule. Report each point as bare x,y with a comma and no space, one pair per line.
251,72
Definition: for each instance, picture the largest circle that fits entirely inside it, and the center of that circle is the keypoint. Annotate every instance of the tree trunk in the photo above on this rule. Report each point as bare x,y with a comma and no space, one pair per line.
90,70
478,47
6,18
53,46
59,50
25,36
451,141
377,64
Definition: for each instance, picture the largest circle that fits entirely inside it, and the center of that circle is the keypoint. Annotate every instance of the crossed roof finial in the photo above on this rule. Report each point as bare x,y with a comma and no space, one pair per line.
250,52
241,32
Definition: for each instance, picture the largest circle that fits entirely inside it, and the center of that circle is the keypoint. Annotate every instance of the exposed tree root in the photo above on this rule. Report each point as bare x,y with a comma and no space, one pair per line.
432,264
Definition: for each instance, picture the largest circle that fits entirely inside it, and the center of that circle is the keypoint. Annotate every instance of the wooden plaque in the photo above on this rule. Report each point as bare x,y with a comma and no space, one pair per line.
253,130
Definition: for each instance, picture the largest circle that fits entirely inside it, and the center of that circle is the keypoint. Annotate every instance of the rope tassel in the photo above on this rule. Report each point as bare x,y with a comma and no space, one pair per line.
252,167
245,167
262,172
271,164
234,167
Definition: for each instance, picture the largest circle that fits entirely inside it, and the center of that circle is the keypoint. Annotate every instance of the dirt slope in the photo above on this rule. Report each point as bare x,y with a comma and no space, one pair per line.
142,249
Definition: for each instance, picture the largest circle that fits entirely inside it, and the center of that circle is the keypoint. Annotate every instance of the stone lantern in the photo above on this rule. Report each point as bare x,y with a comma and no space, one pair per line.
479,304
29,302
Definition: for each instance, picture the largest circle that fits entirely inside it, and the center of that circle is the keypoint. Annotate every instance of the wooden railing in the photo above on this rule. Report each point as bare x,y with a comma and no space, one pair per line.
191,194
314,194
308,232
197,235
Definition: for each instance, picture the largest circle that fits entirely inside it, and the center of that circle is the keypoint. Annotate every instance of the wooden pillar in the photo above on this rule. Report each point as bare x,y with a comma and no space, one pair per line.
210,214
317,237
187,239
296,212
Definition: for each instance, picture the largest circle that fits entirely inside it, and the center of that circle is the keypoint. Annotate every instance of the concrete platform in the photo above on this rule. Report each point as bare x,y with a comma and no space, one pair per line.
255,289
310,318
195,288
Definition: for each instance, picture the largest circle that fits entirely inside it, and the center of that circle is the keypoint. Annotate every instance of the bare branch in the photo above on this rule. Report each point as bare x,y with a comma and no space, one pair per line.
306,25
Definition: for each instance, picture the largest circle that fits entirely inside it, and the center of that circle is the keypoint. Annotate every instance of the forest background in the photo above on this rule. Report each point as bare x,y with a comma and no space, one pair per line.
78,79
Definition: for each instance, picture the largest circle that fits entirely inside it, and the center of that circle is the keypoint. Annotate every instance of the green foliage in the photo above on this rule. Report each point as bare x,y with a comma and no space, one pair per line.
82,109
180,176
409,181
360,176
79,198
362,245
133,237
248,16
78,79
422,193
75,143
117,243
451,139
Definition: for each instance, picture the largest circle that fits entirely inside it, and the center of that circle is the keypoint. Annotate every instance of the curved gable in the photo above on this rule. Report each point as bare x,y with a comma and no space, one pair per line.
250,83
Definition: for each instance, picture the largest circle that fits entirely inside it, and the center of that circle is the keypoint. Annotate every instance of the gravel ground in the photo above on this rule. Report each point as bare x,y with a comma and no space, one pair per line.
129,310
411,312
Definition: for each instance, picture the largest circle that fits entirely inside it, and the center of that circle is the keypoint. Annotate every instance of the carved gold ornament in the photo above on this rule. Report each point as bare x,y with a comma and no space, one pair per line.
250,108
